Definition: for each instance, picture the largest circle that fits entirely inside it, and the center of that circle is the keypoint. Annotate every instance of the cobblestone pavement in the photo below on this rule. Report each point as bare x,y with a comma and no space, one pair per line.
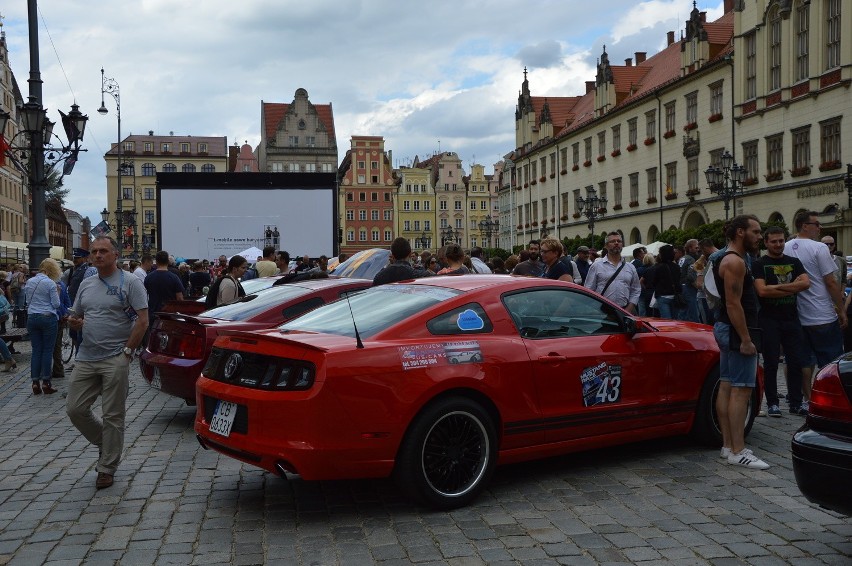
662,502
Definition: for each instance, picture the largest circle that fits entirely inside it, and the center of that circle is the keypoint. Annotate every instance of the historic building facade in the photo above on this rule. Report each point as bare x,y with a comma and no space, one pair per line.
14,194
297,137
367,189
644,133
415,210
142,157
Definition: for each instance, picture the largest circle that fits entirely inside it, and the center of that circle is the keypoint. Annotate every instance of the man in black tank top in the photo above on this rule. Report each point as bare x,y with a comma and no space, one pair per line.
738,313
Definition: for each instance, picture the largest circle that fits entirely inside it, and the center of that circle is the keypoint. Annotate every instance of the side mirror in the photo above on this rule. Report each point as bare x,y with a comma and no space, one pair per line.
630,326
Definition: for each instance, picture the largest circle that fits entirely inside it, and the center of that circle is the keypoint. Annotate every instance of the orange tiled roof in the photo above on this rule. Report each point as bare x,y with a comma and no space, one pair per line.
273,112
561,108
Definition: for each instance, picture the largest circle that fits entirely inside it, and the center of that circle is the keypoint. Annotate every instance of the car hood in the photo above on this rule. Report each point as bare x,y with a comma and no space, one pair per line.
666,325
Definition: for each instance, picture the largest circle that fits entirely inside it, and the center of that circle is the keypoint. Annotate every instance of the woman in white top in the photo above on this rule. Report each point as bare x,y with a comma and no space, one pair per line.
230,289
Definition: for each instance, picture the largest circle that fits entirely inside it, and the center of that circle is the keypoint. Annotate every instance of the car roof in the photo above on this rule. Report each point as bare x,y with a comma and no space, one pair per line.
475,282
325,283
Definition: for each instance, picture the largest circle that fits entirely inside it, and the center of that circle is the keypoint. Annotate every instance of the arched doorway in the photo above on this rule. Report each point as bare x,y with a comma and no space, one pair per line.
693,220
776,218
653,232
635,236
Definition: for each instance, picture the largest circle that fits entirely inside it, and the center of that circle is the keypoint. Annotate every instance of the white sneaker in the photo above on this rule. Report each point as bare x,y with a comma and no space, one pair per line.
725,452
747,459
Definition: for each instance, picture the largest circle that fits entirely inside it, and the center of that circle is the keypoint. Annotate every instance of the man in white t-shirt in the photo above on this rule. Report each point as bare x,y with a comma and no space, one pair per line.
820,306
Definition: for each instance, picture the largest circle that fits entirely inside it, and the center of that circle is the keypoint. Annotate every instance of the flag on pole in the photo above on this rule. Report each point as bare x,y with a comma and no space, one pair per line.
101,229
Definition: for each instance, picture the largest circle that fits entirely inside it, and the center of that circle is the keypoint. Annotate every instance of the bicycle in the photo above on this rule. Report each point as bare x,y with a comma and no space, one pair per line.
70,344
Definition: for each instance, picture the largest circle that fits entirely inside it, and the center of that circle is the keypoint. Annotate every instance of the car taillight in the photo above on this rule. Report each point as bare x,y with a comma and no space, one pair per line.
828,397
180,345
260,371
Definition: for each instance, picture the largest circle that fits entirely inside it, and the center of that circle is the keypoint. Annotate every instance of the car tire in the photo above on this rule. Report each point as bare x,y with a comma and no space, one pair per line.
448,454
705,428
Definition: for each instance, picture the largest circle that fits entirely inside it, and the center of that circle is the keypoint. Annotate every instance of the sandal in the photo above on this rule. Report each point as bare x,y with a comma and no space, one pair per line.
47,388
36,388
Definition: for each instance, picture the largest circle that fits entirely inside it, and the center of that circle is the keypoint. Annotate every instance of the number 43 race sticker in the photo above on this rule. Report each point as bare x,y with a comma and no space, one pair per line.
601,384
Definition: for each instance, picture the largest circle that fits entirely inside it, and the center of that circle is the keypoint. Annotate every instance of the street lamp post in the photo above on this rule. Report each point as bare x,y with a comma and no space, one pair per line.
592,207
726,181
488,227
39,130
110,86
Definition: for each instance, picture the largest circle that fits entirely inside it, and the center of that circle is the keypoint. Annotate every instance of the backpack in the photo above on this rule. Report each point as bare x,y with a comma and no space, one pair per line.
711,290
213,294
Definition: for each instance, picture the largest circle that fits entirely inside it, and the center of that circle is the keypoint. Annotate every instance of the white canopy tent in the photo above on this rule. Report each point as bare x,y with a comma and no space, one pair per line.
251,254
653,248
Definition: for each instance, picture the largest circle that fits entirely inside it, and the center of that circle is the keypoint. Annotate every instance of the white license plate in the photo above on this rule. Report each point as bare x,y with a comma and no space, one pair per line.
155,379
223,418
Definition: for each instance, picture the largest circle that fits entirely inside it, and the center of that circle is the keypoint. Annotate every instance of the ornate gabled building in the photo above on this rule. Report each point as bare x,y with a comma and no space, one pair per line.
297,137
415,209
14,193
767,82
367,189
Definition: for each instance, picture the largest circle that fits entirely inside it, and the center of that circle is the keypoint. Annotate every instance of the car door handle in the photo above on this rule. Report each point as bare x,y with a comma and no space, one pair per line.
552,357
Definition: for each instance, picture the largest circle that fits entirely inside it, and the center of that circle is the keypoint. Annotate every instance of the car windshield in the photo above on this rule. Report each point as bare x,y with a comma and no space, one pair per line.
253,305
253,285
373,310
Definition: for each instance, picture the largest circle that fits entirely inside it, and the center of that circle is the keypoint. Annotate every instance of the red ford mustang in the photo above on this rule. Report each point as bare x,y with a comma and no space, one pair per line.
436,381
179,344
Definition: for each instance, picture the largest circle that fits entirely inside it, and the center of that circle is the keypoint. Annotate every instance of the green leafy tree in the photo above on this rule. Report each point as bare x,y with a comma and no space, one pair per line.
53,187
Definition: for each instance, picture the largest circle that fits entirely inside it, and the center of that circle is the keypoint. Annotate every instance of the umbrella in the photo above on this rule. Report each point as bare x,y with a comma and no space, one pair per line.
364,264
653,248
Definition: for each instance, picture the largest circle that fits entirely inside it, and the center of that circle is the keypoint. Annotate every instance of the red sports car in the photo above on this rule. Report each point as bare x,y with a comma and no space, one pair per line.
179,344
438,380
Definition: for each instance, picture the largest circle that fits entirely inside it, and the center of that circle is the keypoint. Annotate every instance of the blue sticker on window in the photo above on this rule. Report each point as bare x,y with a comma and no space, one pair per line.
469,320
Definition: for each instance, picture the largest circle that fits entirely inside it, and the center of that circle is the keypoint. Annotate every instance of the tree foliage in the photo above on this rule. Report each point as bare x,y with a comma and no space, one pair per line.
53,187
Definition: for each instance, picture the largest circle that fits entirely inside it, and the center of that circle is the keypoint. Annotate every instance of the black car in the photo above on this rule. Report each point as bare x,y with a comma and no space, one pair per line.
822,448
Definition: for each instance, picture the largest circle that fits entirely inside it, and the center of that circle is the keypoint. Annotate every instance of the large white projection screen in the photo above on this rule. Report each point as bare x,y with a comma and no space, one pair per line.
200,223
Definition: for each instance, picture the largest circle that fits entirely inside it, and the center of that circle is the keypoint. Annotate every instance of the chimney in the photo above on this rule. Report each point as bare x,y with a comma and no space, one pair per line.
669,38
590,86
150,132
628,62
703,16
729,5
640,56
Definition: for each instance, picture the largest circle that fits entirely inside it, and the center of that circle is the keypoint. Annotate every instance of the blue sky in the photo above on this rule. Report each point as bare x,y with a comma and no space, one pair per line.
415,74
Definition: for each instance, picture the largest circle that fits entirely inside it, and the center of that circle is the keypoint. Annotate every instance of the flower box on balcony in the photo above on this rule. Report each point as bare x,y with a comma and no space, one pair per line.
617,207
800,171
692,192
714,117
671,196
543,222
631,147
601,158
689,127
564,217
575,167
565,171
633,203
830,165
533,182
602,210
552,220
587,163
526,185
552,175
750,181
576,215
651,200
527,225
615,153
669,134
650,141
535,224
518,226
542,179
777,176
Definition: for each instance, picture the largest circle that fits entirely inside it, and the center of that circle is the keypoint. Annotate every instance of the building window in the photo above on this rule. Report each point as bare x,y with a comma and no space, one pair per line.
616,138
601,193
149,147
832,53
202,148
362,197
406,225
374,214
310,141
294,168
350,215
444,223
416,225
387,197
375,235
774,49
634,187
587,146
459,225
552,166
362,179
652,182
575,149
417,205
563,157
149,193
388,214
374,165
188,168
362,215
184,147
311,168
362,235
830,141
169,168
602,143
802,38
473,205
483,205
127,193
651,124
327,168
692,177
166,148
388,235
692,108
350,235
149,217
671,178
632,130
129,146
406,205
458,205
350,197
427,205
208,168
374,197
801,148
750,66
616,191
442,205
670,117
427,225
750,159
775,154
293,141
576,201
149,170
716,99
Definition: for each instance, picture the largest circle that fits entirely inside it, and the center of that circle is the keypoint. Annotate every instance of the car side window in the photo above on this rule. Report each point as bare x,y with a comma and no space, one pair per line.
467,319
300,308
561,313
